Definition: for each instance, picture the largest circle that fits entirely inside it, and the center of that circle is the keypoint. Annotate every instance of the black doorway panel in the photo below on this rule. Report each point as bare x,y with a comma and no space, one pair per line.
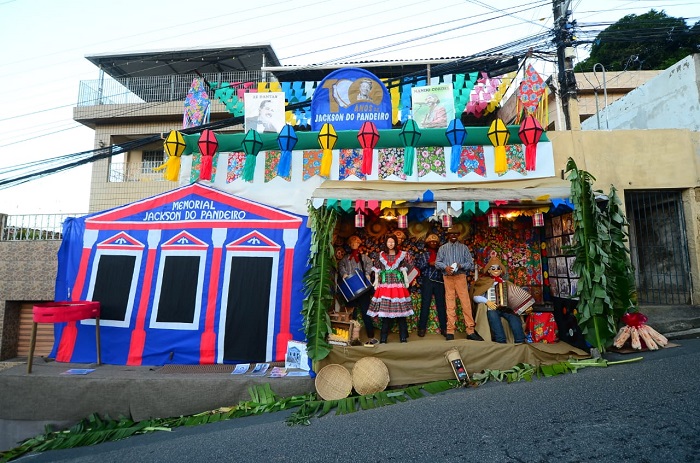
247,309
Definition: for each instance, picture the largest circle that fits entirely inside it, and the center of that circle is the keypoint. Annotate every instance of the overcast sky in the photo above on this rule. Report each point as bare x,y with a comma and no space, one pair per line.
45,43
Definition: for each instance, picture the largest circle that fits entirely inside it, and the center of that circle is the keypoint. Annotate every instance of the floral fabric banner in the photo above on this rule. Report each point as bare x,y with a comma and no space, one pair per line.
516,159
391,163
350,164
196,164
234,171
430,159
472,160
272,159
312,163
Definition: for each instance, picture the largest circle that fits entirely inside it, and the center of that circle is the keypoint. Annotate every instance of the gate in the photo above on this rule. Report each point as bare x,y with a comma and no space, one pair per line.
659,246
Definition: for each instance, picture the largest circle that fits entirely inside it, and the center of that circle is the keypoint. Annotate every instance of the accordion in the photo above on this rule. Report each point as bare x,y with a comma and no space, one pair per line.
511,297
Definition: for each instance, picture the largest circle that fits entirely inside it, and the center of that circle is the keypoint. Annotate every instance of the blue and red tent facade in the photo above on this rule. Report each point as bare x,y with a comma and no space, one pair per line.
191,276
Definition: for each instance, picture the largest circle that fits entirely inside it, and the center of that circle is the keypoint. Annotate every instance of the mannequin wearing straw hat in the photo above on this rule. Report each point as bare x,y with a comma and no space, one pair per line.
455,260
431,286
346,267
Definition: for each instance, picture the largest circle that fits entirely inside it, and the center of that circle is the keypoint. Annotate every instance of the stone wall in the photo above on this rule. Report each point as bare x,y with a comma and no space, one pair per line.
27,274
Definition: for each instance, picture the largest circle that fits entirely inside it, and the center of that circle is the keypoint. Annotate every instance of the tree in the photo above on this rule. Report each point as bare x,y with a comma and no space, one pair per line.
652,40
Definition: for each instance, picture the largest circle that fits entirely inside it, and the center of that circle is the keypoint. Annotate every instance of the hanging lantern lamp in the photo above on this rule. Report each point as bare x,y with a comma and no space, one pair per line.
368,136
455,134
493,219
446,221
359,220
538,219
498,135
410,134
174,145
207,146
287,140
530,132
252,144
327,138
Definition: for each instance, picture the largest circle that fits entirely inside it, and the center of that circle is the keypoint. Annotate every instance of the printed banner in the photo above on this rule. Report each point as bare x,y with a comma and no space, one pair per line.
433,106
264,112
348,97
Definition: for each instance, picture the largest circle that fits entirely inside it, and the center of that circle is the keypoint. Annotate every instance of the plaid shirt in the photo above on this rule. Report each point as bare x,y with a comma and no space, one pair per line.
427,270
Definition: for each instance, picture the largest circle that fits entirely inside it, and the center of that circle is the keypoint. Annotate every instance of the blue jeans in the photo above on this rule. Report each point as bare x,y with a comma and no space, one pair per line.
499,335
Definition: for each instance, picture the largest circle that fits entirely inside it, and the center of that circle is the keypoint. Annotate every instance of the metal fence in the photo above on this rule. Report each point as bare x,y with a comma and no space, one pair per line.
135,172
33,227
149,89
659,246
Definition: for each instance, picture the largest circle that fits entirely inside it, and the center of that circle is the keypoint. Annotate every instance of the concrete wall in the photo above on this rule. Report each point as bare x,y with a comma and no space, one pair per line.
669,100
27,274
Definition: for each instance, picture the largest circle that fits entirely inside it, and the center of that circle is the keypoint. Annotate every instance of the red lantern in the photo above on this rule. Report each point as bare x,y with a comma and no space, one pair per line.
359,220
446,221
538,219
207,146
530,132
368,136
493,219
402,221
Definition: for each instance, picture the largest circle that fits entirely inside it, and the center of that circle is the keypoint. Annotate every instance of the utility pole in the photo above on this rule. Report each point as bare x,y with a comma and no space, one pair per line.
563,33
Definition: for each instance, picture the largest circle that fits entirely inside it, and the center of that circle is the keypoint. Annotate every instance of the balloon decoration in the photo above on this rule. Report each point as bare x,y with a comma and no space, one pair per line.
368,136
207,146
455,134
498,135
327,138
287,140
252,144
410,134
530,132
174,145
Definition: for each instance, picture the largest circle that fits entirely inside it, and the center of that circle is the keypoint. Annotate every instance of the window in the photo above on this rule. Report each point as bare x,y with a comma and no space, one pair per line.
151,159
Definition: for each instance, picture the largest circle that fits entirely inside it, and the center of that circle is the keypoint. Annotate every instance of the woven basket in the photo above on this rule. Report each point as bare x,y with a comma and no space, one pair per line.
370,375
333,382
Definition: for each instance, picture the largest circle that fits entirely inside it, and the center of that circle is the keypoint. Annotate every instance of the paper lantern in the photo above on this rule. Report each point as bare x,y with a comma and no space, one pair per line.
402,221
493,219
538,219
498,135
207,146
455,134
174,145
446,221
327,138
530,132
410,134
359,220
252,144
287,140
368,136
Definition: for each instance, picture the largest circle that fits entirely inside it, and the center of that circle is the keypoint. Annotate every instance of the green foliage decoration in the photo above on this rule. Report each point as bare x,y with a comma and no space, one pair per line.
595,310
318,282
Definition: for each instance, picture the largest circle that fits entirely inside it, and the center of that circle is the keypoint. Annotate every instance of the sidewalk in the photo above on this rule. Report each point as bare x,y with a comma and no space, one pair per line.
674,322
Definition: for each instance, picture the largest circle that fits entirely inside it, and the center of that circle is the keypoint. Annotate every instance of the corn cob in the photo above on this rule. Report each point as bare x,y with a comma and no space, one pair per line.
659,338
622,336
636,343
646,337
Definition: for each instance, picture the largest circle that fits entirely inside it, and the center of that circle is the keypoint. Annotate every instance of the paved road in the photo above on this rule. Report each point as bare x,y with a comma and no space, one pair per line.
647,411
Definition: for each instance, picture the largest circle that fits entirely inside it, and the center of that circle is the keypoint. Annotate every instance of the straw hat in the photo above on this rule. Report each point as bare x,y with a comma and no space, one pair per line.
418,229
333,382
345,228
376,228
370,375
432,237
461,228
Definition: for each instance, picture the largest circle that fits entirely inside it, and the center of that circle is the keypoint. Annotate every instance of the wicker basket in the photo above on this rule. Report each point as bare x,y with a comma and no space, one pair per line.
333,382
370,375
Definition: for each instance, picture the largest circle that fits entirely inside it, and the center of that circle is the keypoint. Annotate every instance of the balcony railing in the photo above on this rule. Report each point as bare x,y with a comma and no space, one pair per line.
135,172
33,227
132,90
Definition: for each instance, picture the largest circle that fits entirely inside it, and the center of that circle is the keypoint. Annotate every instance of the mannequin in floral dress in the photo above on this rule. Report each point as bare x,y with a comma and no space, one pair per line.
391,298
